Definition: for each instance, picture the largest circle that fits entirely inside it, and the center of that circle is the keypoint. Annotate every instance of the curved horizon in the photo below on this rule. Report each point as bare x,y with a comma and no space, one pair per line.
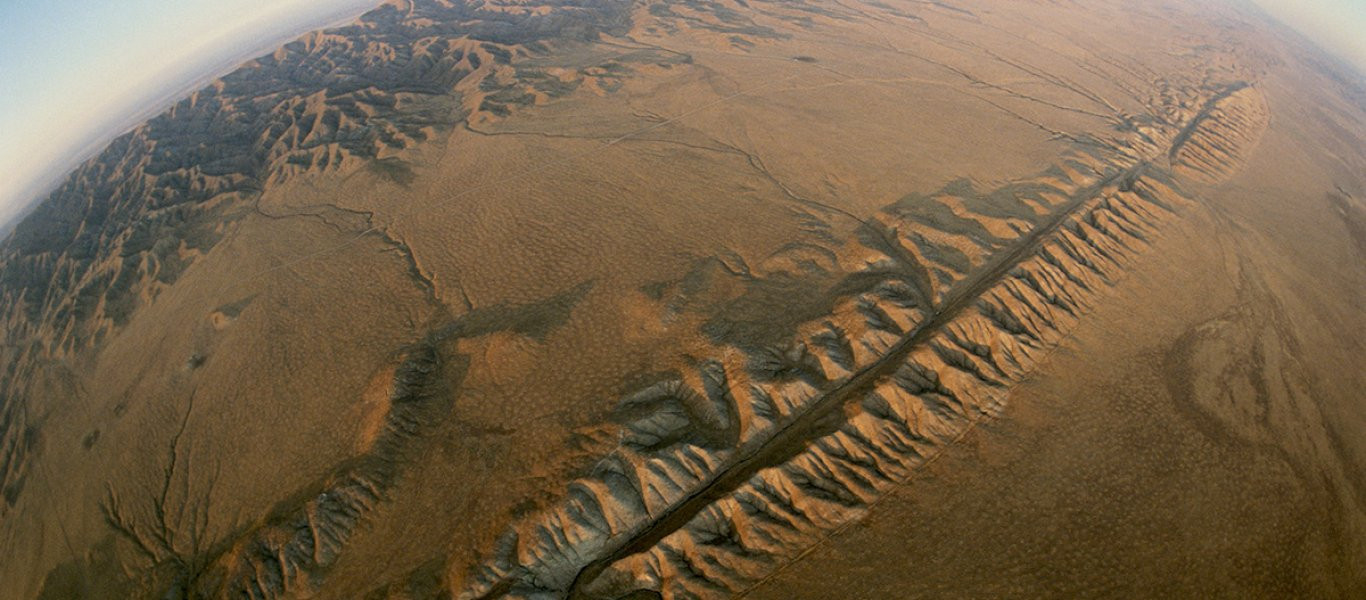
79,76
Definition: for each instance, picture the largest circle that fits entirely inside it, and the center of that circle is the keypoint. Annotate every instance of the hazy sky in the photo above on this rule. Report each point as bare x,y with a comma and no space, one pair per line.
71,69
1337,25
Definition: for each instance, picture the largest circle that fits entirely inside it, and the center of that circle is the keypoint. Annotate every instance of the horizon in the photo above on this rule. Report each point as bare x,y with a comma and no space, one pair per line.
70,90
78,75
1334,25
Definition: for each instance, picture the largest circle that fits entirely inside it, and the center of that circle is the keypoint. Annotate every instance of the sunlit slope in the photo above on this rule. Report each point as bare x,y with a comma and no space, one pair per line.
617,299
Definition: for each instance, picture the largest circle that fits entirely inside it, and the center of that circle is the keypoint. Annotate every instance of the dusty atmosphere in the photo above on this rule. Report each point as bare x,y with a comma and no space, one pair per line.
617,299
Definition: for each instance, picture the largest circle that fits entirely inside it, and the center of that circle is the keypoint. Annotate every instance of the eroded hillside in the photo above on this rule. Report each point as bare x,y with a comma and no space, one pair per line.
638,299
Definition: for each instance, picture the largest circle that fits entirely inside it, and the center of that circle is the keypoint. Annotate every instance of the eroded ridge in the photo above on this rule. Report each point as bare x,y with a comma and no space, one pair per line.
953,369
130,222
749,457
303,537
291,550
1218,143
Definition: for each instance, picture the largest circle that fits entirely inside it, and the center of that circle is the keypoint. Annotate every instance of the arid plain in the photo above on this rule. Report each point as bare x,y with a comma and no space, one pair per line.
614,299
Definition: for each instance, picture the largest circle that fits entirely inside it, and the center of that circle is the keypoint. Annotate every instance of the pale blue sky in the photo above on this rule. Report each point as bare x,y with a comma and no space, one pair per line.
71,71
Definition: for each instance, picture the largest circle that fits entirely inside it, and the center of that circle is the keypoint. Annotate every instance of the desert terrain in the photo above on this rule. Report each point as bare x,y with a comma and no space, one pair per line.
707,299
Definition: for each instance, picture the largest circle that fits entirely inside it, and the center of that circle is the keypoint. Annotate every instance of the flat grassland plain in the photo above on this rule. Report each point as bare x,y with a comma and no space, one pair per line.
707,298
